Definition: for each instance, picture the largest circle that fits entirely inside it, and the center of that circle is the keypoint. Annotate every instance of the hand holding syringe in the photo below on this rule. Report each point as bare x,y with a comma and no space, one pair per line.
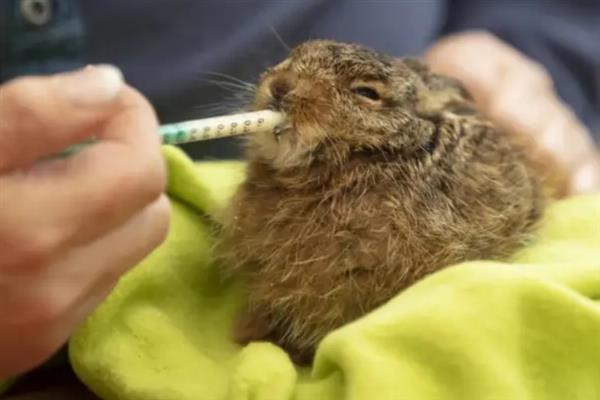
105,208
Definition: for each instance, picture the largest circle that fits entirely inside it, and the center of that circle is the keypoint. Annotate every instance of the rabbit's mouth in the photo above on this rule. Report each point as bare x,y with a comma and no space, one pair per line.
283,128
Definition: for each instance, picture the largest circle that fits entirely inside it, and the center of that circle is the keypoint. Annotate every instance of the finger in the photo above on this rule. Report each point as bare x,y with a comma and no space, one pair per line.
41,116
460,56
553,126
53,288
96,267
77,199
52,305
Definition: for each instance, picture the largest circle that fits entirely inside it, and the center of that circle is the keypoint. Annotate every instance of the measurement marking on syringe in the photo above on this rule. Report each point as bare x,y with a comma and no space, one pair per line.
216,127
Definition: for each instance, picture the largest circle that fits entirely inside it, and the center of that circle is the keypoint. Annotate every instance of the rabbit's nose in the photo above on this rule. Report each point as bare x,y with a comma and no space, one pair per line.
279,88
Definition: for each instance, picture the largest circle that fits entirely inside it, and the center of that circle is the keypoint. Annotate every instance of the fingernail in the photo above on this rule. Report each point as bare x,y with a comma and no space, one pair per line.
92,85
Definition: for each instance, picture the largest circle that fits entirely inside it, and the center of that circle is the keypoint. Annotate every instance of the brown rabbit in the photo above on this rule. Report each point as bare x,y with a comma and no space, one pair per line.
384,174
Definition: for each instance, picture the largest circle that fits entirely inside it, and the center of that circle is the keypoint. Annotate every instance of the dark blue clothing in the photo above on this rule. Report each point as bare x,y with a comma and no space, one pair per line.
166,47
34,40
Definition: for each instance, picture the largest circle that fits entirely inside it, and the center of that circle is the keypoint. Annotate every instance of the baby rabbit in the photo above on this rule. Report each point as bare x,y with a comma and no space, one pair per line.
384,173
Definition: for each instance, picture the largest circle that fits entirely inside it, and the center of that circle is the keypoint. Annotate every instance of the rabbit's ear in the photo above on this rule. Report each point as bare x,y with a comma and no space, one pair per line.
442,83
416,64
436,82
443,94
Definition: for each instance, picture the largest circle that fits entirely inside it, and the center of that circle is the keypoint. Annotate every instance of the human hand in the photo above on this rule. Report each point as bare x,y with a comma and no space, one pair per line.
518,95
69,228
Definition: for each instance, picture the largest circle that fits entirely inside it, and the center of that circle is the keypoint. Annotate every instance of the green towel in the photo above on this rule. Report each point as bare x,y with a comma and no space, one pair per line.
529,329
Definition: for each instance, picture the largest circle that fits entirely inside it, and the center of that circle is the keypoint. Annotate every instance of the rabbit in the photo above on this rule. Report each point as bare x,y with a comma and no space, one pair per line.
383,173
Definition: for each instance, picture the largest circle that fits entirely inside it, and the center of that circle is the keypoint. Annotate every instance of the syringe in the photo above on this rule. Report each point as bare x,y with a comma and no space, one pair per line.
209,128
222,126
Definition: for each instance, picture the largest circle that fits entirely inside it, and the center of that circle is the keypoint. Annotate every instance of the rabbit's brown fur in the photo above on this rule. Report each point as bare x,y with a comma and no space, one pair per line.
360,197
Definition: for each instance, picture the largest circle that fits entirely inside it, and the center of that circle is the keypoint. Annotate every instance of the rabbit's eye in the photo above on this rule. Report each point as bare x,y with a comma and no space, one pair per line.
367,92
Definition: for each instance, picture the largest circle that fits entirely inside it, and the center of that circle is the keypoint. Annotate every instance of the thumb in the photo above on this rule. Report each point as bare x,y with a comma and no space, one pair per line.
40,116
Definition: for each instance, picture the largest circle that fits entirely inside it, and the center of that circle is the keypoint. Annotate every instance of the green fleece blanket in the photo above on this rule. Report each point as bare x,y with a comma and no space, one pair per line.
528,329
